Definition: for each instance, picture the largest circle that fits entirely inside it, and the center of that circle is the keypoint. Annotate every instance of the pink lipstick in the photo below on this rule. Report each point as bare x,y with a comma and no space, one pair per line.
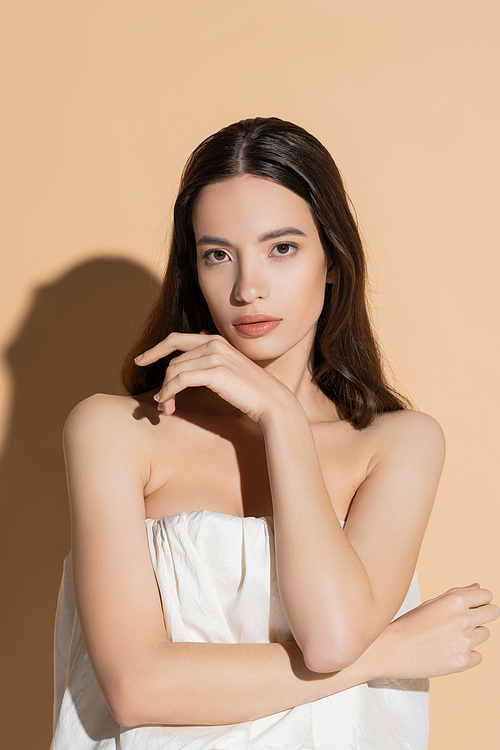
256,325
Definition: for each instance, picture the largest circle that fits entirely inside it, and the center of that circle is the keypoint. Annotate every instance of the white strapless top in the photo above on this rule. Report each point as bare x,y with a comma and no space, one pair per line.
217,580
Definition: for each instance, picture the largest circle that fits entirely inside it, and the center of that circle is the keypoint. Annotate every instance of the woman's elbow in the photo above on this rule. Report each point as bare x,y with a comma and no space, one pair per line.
124,708
124,715
333,656
128,704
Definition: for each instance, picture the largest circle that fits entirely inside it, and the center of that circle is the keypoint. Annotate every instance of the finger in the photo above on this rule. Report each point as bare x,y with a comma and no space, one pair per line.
207,345
469,597
181,366
462,588
479,597
167,406
211,353
173,373
215,345
487,613
456,589
475,659
185,379
481,635
194,353
174,341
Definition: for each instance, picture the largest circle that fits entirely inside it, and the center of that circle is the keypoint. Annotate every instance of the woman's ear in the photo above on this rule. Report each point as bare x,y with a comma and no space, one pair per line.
331,273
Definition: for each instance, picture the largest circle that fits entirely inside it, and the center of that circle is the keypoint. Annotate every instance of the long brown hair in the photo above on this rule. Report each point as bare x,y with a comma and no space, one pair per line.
347,360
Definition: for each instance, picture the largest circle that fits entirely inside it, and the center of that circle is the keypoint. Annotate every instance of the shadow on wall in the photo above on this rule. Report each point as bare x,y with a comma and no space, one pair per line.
69,346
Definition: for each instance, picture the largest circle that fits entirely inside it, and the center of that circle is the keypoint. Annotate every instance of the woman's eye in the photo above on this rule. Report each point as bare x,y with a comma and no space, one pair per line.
216,256
283,249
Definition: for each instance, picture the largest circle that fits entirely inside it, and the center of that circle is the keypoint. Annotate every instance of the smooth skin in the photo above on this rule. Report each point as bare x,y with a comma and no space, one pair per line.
239,427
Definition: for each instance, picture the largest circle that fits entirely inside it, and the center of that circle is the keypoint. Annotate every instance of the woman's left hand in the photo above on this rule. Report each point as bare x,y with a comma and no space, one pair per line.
439,637
212,362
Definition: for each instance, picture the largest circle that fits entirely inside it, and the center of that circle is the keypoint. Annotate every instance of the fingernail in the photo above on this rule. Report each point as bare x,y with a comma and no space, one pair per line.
156,397
136,359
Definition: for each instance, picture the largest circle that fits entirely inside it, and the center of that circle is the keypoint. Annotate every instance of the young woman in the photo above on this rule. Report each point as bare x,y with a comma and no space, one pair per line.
245,525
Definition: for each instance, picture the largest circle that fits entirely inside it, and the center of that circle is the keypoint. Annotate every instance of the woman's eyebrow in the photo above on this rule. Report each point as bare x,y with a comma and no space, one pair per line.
280,233
209,240
283,231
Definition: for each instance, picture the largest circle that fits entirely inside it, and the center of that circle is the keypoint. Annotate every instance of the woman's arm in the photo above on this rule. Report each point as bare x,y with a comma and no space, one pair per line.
147,679
225,684
143,677
339,590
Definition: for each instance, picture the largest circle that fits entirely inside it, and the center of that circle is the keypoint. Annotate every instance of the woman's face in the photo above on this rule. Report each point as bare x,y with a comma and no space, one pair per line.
261,265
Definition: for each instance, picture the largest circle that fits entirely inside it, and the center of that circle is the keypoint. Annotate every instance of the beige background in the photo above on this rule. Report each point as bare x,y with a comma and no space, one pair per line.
104,101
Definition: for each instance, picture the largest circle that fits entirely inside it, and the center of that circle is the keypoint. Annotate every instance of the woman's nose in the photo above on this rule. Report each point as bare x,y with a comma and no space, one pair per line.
251,284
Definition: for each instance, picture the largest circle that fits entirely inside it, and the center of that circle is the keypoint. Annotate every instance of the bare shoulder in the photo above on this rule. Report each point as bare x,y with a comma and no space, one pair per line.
407,431
104,417
109,434
97,411
408,422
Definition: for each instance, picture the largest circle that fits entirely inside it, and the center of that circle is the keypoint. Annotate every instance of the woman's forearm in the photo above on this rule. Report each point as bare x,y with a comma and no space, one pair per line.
340,590
212,684
321,578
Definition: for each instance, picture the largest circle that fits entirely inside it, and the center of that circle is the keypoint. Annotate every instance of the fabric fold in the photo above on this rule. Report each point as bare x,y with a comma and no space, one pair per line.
217,578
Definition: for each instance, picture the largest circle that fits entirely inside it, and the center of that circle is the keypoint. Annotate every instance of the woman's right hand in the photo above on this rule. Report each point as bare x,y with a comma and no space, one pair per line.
439,637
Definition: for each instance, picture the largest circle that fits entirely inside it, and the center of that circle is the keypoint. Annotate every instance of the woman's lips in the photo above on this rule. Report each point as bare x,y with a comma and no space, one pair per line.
256,325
